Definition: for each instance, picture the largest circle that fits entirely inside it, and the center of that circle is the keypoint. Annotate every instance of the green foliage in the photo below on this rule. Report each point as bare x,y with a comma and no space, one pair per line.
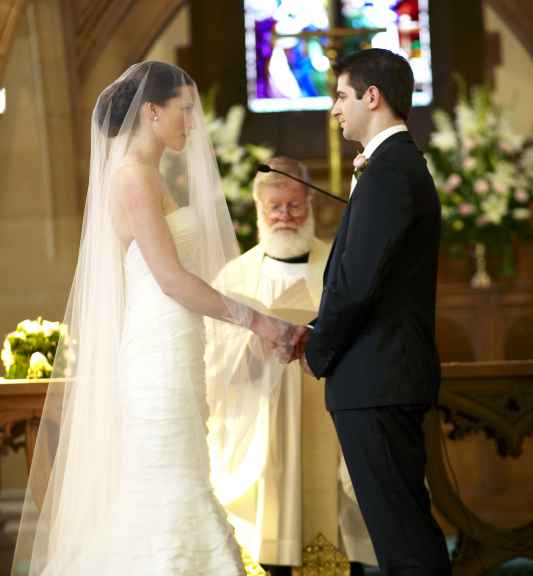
29,351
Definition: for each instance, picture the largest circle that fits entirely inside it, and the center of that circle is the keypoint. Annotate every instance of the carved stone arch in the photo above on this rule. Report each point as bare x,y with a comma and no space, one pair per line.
10,12
128,27
117,37
518,15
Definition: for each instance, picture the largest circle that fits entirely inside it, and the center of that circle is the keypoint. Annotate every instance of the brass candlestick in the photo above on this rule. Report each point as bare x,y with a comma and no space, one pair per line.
481,279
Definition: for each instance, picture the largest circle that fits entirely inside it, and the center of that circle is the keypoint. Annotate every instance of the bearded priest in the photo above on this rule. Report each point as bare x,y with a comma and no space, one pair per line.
296,493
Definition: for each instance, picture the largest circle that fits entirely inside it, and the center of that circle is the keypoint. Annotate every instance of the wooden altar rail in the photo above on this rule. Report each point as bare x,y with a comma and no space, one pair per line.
495,398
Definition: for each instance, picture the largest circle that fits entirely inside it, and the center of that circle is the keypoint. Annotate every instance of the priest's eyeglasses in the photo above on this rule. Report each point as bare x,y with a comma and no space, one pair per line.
293,209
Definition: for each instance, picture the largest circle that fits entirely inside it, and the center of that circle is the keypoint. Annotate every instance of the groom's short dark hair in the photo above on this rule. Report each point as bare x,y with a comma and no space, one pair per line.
389,72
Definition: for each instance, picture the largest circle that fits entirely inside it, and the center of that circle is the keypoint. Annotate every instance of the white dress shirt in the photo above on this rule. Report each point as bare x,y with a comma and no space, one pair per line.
380,137
376,141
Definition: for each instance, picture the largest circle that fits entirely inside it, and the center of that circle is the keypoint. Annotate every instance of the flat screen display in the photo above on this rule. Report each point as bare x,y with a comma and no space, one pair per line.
287,73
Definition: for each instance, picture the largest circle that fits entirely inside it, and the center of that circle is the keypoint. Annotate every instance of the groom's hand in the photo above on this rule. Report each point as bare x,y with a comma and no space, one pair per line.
292,349
303,339
302,345
305,366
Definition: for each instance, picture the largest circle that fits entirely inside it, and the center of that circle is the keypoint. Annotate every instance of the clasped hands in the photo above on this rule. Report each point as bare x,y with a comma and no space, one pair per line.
287,341
292,345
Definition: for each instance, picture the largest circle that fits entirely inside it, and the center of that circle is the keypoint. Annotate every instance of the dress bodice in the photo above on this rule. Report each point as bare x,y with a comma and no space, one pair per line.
183,226
146,303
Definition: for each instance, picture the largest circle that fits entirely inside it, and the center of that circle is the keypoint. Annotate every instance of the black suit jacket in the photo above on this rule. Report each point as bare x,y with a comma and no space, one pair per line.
374,336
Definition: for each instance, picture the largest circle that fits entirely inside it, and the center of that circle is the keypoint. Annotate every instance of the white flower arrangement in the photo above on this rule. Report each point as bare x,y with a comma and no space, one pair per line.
483,171
29,351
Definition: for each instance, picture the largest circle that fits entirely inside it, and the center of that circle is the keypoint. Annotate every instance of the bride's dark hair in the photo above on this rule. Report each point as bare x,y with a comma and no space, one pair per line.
162,83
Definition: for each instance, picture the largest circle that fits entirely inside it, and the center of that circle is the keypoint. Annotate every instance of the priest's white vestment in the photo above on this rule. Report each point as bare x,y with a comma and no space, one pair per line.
297,493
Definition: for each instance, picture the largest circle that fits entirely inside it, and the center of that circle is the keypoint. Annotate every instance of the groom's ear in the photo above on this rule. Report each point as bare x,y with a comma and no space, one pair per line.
374,97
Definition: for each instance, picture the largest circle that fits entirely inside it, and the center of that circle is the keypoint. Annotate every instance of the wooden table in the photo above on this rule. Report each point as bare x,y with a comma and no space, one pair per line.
21,407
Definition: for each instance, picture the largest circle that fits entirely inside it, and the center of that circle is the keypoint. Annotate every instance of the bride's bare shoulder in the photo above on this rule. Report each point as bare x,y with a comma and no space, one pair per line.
136,183
136,174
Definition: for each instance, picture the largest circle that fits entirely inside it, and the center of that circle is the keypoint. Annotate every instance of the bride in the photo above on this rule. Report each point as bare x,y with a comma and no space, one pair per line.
120,477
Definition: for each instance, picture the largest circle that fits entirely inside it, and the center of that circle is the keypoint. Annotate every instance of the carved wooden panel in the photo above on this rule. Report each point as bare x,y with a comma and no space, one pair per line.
493,399
485,324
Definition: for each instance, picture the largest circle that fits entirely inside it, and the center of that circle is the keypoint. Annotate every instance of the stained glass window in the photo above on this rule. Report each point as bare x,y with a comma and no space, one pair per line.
286,73
407,33
290,73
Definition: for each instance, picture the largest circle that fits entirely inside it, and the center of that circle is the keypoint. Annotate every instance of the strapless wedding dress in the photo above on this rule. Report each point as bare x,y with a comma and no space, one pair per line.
166,520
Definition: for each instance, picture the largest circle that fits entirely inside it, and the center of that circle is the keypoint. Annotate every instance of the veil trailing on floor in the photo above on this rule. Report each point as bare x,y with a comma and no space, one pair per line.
75,477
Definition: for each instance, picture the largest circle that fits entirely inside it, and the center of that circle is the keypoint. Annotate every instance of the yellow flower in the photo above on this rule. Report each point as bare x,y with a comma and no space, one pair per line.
458,225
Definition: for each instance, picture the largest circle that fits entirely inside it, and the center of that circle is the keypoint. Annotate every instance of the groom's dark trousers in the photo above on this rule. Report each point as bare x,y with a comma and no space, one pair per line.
373,340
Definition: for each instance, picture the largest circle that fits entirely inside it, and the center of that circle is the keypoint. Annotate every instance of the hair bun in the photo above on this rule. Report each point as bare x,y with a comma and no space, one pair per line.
117,101
159,81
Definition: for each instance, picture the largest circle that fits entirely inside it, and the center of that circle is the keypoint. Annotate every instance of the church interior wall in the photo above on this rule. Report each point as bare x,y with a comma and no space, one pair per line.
513,89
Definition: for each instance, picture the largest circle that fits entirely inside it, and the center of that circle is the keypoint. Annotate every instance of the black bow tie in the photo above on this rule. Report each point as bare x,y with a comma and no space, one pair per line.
303,259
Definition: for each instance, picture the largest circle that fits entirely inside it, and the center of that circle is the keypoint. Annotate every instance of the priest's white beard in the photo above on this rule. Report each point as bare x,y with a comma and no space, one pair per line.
285,244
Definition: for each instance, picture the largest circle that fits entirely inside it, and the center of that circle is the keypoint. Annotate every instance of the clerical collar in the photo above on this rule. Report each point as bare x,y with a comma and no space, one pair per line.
303,259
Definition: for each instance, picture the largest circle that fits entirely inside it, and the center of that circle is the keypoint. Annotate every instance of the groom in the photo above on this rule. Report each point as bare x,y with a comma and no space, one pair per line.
373,338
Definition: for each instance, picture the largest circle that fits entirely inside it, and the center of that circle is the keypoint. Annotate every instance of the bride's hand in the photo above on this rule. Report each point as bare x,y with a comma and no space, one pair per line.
298,343
277,331
281,336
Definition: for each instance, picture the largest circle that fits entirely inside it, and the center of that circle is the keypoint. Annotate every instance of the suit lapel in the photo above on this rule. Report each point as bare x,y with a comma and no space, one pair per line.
340,234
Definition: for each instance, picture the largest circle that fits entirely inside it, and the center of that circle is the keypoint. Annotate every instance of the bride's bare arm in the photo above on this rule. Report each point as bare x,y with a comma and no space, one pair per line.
139,190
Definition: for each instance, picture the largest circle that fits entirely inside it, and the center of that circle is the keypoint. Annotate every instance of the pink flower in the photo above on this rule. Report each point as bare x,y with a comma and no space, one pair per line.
469,163
453,181
468,144
466,209
500,188
481,187
505,147
521,196
360,162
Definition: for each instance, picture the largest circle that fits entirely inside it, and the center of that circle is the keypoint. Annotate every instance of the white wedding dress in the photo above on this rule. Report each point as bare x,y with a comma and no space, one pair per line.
167,520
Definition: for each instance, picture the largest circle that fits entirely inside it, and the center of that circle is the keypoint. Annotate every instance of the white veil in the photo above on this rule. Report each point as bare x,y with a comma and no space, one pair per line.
74,476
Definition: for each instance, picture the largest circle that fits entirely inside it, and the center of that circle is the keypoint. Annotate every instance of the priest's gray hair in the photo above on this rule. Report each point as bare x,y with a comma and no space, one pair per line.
285,164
